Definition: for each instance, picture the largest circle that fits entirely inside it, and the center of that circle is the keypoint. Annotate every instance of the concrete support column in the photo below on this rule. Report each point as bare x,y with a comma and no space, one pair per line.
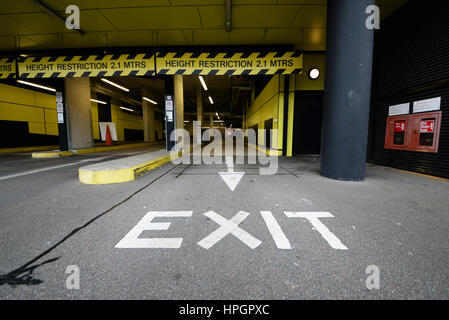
79,112
149,124
347,90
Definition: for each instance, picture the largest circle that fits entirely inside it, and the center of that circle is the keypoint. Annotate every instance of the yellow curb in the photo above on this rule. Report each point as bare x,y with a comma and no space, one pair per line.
121,175
51,154
119,147
269,152
57,154
27,149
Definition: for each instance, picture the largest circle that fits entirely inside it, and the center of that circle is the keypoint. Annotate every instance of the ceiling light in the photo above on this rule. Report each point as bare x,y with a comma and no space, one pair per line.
203,83
36,85
98,101
149,100
217,114
115,85
314,74
127,109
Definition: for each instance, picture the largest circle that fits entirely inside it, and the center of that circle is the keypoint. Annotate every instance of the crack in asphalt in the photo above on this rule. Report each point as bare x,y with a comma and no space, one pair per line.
24,274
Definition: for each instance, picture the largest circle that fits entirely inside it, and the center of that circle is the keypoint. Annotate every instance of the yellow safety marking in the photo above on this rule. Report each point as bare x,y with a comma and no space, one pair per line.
26,149
255,63
124,174
51,154
87,66
57,153
7,68
269,152
422,174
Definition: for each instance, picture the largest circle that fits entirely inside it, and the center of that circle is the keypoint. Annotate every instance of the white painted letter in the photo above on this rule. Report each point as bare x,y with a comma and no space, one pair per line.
132,240
229,226
275,229
313,218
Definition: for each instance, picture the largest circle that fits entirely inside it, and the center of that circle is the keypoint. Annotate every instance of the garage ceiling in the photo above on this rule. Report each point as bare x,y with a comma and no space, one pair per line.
119,23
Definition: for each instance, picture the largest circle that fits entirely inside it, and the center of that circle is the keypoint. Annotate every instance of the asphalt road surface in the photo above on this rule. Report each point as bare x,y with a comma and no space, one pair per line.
292,235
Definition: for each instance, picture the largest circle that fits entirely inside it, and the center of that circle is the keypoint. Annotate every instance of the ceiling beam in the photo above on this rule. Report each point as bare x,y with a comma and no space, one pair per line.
54,14
228,15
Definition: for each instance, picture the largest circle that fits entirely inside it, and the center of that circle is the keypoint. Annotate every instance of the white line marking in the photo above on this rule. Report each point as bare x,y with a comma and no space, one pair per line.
132,240
226,227
231,178
49,168
276,232
313,218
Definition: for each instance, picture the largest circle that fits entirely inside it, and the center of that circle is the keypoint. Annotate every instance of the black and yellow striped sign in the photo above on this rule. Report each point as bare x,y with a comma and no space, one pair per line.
87,66
7,68
251,63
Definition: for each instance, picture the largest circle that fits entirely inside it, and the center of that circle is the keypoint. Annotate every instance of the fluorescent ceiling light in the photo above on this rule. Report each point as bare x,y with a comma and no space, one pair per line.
203,83
128,109
149,100
217,114
185,121
98,101
211,101
36,85
115,85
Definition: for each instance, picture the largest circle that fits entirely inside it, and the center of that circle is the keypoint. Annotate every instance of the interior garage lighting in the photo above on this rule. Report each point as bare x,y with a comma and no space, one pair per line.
149,100
216,113
115,85
127,109
98,101
203,83
314,74
36,85
211,101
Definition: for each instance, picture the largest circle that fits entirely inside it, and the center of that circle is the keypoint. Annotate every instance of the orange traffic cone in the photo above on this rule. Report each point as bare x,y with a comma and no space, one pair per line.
108,136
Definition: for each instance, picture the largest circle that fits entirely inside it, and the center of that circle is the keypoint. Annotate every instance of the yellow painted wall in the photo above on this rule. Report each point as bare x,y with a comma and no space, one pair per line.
270,104
124,120
36,108
311,60
264,107
95,125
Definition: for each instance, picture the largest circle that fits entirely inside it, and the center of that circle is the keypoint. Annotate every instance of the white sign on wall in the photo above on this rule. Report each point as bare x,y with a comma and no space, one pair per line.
399,109
59,107
433,104
60,117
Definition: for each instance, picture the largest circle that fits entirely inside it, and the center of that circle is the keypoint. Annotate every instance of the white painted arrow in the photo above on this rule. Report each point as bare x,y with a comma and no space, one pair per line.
230,177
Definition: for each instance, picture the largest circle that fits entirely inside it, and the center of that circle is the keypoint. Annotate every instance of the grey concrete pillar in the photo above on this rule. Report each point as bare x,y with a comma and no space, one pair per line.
79,112
149,124
347,90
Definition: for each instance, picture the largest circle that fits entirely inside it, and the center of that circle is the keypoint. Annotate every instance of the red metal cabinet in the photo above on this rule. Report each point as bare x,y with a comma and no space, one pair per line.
414,132
396,135
424,133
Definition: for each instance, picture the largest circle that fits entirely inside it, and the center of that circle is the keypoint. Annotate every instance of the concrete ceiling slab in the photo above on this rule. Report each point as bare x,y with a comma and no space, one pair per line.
119,23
